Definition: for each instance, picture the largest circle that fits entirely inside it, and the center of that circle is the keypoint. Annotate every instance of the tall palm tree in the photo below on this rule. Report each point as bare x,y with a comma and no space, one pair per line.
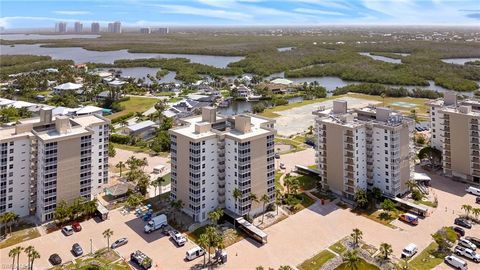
236,195
155,185
351,259
28,250
34,255
20,249
265,199
476,212
203,243
253,198
467,208
278,199
383,95
356,235
107,234
13,253
386,250
215,215
120,165
411,184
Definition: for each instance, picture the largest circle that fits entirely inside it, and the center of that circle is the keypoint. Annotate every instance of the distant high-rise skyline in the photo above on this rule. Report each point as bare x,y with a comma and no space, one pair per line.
61,27
115,27
95,28
78,28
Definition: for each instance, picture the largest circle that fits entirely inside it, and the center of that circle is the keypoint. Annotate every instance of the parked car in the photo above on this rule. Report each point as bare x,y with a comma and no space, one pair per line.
465,243
76,227
463,222
178,238
282,166
120,242
77,250
477,200
409,218
55,259
456,262
194,253
409,250
467,253
474,240
277,156
67,230
459,231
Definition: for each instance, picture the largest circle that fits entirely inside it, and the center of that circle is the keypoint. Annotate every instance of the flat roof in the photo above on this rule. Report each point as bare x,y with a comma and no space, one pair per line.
89,119
141,125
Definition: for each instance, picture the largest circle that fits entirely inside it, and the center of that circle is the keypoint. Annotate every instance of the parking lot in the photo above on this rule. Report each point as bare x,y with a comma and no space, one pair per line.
164,253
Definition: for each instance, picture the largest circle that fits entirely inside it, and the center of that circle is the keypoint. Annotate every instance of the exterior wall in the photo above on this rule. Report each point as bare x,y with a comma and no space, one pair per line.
335,161
231,174
406,164
99,158
436,139
360,158
180,169
459,126
209,178
15,176
68,170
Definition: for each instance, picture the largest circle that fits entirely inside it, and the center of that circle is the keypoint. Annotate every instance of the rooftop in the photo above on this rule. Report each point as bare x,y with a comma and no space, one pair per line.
69,86
141,125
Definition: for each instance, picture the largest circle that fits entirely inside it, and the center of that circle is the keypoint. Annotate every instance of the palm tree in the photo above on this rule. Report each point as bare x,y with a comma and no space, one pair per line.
215,215
383,95
411,184
467,208
236,195
278,199
356,235
155,185
386,250
253,198
28,250
20,249
107,234
476,212
90,207
34,255
13,253
265,199
203,243
120,165
351,259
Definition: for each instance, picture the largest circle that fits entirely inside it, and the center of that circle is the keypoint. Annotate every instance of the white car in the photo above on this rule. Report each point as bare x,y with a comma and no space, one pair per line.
409,250
67,230
179,239
468,253
456,262
119,242
465,243
194,253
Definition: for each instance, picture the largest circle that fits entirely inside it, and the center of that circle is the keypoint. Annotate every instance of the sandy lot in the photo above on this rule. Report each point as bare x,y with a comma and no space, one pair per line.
297,120
123,155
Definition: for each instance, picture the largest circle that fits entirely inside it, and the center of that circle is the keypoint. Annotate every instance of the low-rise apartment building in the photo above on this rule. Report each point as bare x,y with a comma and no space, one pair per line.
455,131
213,155
362,149
49,159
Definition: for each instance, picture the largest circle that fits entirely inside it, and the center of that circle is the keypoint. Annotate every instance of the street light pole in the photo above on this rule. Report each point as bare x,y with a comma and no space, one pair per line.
91,252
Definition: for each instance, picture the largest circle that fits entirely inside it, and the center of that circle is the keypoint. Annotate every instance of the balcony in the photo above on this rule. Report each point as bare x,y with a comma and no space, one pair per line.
348,140
349,147
349,169
474,134
349,161
350,183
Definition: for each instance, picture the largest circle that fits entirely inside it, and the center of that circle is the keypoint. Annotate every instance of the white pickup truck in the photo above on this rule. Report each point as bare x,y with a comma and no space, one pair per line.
178,238
467,253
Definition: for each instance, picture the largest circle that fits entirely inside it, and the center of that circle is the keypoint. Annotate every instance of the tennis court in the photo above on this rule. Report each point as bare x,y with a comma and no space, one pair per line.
404,104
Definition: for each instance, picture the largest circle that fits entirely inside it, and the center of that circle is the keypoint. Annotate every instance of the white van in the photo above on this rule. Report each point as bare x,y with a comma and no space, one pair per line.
194,253
473,190
456,262
409,250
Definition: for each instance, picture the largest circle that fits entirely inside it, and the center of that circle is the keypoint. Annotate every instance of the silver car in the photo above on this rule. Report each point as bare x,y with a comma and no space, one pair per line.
120,242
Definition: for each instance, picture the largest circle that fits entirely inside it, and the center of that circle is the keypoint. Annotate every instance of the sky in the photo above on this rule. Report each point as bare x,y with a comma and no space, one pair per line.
136,13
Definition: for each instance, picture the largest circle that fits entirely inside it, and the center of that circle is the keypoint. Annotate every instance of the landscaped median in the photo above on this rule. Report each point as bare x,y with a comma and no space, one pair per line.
20,233
426,259
317,261
103,259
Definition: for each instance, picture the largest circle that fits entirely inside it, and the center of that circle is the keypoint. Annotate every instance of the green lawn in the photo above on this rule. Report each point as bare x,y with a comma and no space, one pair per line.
361,265
231,236
103,259
168,179
296,146
134,104
426,259
375,215
20,235
304,201
307,182
338,247
317,261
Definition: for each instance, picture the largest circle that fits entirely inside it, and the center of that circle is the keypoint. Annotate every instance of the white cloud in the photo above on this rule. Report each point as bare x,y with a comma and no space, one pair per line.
206,12
71,12
318,12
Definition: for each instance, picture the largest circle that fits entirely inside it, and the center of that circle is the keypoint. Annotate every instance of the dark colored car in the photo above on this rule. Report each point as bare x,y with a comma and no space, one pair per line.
76,227
459,230
463,222
477,200
55,259
77,250
277,156
120,242
474,240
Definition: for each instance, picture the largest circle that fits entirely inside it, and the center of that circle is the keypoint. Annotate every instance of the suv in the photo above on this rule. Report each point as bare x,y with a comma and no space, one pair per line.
77,250
409,250
459,231
463,222
465,243
67,230
55,259
467,253
76,227
178,238
474,240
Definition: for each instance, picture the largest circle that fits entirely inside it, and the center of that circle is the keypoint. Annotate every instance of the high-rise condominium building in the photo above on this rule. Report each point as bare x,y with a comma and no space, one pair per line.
115,27
95,27
213,156
161,30
145,30
50,159
362,149
455,131
61,27
78,27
